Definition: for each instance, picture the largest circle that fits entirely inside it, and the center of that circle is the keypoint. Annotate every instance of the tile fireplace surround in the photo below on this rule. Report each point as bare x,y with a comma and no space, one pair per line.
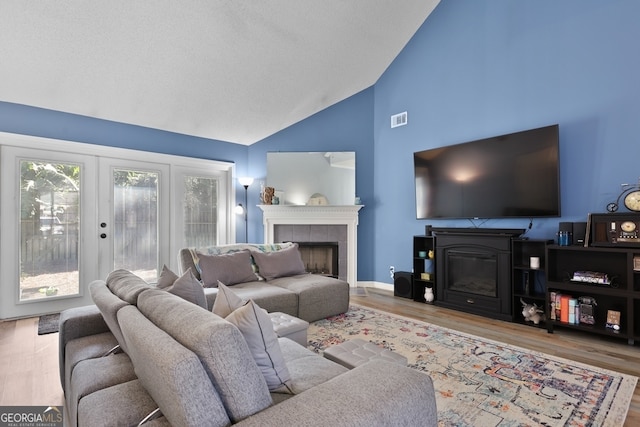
312,224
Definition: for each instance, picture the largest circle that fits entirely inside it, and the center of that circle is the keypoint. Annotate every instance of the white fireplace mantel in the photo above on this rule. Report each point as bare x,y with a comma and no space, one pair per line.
317,214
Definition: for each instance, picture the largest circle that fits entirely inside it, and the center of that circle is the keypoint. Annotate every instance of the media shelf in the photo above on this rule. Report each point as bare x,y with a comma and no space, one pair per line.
528,276
620,293
424,275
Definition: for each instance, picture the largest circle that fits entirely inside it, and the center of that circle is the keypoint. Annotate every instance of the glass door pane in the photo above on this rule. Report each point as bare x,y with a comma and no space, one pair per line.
135,222
49,229
200,211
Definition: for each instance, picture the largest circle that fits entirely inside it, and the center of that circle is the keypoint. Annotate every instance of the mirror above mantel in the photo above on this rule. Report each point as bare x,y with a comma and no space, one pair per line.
299,176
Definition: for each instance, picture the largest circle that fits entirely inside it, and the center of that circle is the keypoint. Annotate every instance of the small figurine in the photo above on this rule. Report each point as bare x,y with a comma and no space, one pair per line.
428,294
267,196
532,313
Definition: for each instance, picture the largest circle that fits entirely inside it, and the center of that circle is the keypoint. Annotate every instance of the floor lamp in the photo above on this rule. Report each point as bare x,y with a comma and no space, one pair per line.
245,182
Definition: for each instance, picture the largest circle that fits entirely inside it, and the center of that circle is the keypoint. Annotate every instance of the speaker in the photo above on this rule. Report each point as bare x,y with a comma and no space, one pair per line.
566,226
403,284
579,233
428,230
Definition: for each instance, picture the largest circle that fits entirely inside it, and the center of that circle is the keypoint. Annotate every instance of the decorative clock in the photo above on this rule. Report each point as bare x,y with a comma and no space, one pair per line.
630,196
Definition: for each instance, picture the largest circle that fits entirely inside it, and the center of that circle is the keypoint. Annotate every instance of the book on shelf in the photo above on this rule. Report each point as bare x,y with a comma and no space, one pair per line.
595,277
613,320
564,308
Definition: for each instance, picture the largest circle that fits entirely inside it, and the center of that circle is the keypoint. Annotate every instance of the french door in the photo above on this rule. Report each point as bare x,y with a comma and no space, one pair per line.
47,214
68,219
133,208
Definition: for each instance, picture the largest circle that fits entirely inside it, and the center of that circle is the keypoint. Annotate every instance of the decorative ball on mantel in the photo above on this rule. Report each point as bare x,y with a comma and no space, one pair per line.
317,199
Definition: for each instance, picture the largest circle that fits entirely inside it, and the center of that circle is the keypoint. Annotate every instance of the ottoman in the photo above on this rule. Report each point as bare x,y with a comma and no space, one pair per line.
356,352
287,326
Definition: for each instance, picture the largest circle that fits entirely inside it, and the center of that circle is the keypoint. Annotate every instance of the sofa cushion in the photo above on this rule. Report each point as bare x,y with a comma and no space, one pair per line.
226,301
306,368
229,268
271,298
91,375
375,394
172,374
126,285
109,304
167,277
188,257
189,288
285,262
319,296
220,347
76,323
257,329
124,404
83,348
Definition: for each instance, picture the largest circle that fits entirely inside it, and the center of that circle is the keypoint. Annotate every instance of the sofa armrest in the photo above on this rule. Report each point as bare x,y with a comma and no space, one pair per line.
76,323
376,393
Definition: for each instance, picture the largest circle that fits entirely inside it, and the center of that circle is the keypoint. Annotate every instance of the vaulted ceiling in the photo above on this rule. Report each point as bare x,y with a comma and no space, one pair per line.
235,71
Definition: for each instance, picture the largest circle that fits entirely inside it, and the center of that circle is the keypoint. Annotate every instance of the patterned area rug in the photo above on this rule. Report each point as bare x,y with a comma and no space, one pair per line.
481,382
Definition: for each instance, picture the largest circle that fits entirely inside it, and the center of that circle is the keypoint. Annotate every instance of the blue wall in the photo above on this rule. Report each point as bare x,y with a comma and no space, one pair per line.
483,68
346,126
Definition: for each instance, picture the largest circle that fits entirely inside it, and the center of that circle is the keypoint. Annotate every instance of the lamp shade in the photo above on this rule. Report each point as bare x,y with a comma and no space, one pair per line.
245,181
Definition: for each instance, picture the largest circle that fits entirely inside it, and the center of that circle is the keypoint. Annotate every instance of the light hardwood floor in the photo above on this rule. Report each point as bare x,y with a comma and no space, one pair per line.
28,365
29,362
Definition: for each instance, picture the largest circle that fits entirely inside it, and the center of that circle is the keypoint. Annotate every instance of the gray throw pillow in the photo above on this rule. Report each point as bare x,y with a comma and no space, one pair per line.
167,277
228,268
282,263
226,301
187,287
257,329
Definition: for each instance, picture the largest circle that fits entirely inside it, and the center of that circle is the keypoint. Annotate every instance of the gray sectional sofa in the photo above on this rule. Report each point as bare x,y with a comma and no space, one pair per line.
144,352
273,276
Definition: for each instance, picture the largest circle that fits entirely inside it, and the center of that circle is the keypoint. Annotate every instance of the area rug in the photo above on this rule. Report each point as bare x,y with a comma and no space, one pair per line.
48,324
480,382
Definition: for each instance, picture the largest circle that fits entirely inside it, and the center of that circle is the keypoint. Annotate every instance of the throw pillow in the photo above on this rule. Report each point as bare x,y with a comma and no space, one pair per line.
167,277
282,263
187,287
226,301
229,268
257,329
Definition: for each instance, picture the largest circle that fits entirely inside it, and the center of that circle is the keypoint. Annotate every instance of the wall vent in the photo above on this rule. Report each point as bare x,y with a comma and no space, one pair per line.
399,120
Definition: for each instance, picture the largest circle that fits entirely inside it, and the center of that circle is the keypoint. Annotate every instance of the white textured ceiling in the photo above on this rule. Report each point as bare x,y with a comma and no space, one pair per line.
235,71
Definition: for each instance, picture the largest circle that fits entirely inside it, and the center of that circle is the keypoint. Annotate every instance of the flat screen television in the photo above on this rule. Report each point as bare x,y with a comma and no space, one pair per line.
509,176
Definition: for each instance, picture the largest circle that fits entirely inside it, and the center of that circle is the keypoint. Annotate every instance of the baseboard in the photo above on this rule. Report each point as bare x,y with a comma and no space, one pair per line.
378,285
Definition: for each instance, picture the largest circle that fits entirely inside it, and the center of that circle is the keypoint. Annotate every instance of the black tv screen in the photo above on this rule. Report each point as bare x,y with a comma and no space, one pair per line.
508,176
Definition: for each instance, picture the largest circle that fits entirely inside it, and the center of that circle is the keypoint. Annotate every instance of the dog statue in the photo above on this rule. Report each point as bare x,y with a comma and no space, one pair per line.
532,313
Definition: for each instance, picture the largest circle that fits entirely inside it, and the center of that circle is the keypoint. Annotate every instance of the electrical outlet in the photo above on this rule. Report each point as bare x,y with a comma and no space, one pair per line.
392,271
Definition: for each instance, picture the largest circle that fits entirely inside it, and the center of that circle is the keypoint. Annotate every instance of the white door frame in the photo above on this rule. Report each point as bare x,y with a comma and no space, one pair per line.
11,305
105,208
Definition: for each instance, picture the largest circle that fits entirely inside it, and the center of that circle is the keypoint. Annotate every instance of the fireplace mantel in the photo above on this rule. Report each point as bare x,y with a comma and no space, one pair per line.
317,215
